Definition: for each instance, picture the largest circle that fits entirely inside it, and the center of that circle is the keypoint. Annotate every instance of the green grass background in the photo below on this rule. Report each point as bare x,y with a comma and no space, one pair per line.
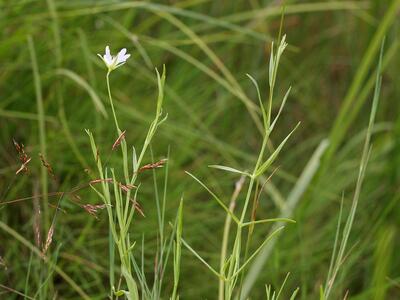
207,47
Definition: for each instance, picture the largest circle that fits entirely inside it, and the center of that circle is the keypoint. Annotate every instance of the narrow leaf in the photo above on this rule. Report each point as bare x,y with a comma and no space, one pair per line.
215,197
273,156
229,169
202,260
264,114
280,109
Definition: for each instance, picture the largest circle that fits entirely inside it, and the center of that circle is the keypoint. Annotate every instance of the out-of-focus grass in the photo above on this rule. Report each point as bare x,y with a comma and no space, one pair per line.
208,47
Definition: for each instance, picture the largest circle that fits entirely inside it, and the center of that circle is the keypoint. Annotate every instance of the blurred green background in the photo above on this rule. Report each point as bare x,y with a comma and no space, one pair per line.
207,47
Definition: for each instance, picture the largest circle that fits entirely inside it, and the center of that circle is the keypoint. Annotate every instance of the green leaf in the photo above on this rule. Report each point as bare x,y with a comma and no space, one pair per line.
280,109
268,221
257,251
120,293
273,156
82,83
133,292
264,114
294,294
215,197
134,160
229,169
201,259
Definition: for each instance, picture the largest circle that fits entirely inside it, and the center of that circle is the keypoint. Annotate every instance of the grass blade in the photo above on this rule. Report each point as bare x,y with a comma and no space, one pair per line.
291,203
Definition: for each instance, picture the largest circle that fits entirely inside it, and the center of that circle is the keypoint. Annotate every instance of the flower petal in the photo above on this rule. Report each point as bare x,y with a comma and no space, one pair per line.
122,57
122,52
108,59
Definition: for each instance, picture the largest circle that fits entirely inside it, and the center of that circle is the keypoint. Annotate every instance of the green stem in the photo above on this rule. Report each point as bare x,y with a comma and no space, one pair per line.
253,177
111,102
41,126
225,240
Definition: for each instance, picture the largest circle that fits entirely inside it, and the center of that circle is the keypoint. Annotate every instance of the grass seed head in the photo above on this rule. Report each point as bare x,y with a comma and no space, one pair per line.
155,165
138,207
23,157
47,166
92,209
49,239
118,140
3,263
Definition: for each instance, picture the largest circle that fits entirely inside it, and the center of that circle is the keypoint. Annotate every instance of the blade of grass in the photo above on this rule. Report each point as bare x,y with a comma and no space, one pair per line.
351,103
229,169
297,8
26,116
251,107
215,197
154,7
98,104
36,251
273,156
275,232
177,252
290,204
42,127
201,259
225,237
16,292
28,275
360,179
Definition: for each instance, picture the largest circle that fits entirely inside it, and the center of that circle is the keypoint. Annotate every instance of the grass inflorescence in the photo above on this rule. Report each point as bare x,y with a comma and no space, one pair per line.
200,184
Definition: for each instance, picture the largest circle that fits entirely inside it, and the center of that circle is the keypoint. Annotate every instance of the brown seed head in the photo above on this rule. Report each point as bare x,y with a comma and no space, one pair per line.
47,166
49,239
155,165
118,140
23,157
92,209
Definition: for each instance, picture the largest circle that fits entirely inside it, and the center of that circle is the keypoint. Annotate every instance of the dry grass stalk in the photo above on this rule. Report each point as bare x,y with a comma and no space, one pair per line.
119,140
23,167
3,263
23,157
47,166
49,239
92,209
94,181
36,218
138,207
126,187
155,165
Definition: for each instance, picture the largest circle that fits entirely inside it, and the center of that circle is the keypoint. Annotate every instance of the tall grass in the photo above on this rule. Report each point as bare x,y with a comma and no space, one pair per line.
234,261
101,219
116,195
121,207
338,255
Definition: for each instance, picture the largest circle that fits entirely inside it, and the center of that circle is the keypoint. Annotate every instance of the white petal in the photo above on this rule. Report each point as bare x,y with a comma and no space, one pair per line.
108,59
122,52
122,57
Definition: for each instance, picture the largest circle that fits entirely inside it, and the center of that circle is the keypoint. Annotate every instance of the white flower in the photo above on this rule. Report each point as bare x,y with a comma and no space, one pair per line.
113,62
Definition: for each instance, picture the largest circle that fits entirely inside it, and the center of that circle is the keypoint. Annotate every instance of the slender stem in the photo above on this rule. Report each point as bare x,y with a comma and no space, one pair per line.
42,128
111,102
260,156
234,264
249,235
225,239
122,241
